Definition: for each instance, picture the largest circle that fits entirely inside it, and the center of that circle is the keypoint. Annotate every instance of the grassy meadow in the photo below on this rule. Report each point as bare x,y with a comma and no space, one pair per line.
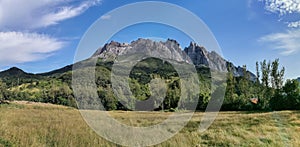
38,124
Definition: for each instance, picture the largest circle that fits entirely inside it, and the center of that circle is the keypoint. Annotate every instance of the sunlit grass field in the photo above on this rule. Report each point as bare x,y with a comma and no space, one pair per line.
36,124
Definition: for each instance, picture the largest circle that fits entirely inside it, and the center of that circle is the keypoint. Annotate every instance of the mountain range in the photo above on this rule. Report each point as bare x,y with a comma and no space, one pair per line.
193,53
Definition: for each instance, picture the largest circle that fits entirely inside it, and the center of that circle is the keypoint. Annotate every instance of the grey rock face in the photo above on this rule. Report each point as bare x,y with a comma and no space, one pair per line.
170,49
111,50
238,72
200,56
197,54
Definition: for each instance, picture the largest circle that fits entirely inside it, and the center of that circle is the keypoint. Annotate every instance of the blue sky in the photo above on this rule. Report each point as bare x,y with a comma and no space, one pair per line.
42,35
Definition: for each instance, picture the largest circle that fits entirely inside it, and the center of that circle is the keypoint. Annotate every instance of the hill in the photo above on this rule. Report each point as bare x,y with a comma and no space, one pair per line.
15,76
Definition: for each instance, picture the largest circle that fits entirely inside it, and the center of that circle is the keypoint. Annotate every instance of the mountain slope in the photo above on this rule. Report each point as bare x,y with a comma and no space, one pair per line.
16,76
15,72
56,86
198,55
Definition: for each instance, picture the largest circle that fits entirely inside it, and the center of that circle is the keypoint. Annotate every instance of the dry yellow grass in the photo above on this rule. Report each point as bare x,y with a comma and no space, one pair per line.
37,124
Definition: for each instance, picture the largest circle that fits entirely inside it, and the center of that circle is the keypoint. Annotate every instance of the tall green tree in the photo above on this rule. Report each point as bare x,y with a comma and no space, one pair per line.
257,73
244,87
265,69
230,88
231,98
287,98
276,75
257,83
3,92
292,93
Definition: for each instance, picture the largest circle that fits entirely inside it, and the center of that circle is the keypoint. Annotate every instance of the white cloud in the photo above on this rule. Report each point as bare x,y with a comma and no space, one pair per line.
31,14
288,42
295,24
282,6
105,17
18,47
17,17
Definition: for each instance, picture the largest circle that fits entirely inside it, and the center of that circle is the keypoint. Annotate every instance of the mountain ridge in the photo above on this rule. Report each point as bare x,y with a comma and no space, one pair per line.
194,53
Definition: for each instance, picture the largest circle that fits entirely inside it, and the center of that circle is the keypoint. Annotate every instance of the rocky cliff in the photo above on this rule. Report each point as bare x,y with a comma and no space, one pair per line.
197,54
169,49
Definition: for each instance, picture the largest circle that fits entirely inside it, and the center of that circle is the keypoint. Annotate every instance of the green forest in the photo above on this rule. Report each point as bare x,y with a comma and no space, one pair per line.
268,92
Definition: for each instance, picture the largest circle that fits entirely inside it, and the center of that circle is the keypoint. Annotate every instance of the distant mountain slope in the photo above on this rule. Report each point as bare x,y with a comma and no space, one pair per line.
15,72
57,71
16,76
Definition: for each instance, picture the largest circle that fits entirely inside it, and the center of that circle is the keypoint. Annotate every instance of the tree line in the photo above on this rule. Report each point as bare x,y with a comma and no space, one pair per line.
269,90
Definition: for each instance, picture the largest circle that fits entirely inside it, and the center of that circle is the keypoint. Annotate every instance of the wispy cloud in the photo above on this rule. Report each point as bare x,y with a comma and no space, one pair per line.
31,14
105,17
294,24
20,21
284,7
18,47
65,12
287,42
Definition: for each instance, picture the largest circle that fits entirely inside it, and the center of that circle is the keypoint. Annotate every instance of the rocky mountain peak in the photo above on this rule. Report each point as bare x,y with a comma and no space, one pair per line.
194,53
172,42
170,49
198,55
110,50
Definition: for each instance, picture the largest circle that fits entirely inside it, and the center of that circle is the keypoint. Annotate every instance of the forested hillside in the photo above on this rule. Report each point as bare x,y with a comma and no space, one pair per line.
267,92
